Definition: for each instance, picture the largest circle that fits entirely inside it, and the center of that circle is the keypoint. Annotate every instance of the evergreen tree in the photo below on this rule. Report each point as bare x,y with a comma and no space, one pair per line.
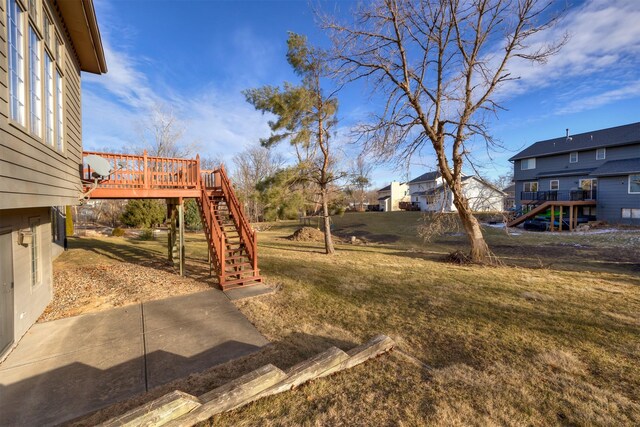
305,115
143,213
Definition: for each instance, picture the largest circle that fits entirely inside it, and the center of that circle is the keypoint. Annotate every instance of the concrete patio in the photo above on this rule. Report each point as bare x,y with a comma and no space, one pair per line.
67,368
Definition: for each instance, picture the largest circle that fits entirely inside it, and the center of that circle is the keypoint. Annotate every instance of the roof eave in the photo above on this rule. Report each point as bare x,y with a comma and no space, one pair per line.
80,19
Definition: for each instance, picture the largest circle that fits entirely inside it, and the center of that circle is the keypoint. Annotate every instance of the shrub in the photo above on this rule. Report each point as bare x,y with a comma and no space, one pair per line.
117,232
192,215
143,213
146,234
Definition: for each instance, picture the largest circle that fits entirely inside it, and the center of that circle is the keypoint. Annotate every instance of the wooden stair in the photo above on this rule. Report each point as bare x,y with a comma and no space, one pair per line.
231,240
530,214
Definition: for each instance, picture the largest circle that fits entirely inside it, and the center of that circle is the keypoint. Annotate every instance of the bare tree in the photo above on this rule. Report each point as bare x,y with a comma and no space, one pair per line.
252,166
438,64
162,134
360,178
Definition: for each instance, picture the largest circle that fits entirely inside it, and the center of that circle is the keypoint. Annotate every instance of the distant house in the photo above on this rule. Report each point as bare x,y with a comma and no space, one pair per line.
595,174
389,197
510,197
431,193
45,46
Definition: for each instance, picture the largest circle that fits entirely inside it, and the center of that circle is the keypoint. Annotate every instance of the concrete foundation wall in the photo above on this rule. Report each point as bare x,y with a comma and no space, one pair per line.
29,300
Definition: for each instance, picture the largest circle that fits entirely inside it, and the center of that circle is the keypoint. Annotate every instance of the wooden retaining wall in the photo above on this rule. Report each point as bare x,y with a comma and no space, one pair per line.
178,409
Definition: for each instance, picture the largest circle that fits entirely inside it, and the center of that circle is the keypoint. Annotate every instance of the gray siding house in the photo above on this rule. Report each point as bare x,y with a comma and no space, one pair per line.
44,46
602,166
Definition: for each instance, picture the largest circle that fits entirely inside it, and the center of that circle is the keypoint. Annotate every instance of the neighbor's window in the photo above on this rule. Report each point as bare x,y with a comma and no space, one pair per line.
16,61
554,184
35,83
631,213
526,164
530,187
573,157
48,99
634,184
35,253
601,153
59,112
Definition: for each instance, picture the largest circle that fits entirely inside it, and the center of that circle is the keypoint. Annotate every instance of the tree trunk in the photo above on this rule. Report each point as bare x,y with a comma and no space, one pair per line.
479,249
328,241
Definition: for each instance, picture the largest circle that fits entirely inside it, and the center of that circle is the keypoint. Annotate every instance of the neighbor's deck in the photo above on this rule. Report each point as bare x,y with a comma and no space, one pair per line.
149,177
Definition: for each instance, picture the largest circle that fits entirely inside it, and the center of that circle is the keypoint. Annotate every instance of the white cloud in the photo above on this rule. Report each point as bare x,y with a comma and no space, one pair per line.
219,119
603,46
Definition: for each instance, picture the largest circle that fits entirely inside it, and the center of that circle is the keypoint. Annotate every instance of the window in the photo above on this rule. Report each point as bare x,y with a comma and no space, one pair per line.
634,184
59,113
33,9
631,213
35,252
54,223
530,187
46,30
48,100
573,157
554,185
526,164
601,153
16,62
588,184
35,85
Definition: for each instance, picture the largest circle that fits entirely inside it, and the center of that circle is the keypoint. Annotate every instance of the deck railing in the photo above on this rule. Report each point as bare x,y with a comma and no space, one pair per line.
247,234
146,172
571,195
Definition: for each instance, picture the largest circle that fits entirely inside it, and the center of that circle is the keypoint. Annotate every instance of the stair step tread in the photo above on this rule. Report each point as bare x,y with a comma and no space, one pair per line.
253,280
239,272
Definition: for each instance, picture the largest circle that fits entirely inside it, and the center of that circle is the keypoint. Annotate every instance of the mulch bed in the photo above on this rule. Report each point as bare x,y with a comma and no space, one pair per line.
79,290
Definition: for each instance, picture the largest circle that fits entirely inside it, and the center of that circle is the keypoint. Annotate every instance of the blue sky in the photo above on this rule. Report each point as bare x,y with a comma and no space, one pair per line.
197,57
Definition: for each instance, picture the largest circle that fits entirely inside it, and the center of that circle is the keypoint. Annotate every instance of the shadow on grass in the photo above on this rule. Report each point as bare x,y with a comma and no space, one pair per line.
293,349
146,253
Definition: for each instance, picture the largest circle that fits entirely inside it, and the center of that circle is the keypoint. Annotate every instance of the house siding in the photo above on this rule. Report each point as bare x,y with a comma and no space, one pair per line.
613,196
612,193
31,172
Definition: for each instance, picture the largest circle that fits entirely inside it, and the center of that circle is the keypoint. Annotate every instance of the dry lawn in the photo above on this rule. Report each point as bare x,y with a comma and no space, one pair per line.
513,345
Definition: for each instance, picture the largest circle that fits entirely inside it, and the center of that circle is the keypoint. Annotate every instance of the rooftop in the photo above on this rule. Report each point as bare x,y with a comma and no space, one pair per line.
618,167
619,135
429,176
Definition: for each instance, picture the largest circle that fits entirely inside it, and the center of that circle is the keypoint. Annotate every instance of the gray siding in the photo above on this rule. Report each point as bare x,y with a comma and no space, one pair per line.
586,159
613,197
32,173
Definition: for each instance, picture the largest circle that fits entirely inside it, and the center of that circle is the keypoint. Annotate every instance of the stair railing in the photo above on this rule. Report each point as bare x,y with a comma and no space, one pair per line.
247,234
216,237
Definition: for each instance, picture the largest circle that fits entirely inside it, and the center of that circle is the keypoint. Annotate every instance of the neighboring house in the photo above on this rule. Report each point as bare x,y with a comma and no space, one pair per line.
45,45
390,196
431,193
597,172
510,197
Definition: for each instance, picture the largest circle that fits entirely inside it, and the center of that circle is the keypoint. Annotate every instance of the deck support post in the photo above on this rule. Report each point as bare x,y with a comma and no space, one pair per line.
175,238
560,222
181,235
571,218
553,218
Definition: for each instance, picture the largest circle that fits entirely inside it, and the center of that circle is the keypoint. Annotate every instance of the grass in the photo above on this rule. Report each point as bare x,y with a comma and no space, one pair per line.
551,338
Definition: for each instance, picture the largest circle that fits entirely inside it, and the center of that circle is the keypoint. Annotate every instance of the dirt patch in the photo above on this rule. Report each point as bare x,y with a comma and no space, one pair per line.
79,290
307,234
457,257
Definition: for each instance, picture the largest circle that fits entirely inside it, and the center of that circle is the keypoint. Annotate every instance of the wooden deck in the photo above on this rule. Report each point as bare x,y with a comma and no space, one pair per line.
147,177
231,239
572,214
